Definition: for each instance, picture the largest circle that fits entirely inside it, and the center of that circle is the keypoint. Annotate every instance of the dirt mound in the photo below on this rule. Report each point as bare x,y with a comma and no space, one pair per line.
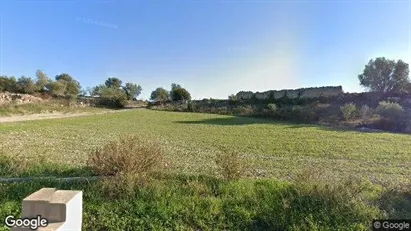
7,98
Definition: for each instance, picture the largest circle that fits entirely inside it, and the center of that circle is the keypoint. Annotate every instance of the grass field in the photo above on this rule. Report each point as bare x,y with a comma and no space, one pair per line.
192,140
190,197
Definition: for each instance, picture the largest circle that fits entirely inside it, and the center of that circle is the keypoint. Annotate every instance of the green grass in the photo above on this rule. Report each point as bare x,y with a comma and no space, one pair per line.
273,149
189,196
173,202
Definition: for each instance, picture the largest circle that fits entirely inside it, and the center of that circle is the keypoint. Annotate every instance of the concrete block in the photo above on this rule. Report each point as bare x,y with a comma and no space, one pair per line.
36,204
62,208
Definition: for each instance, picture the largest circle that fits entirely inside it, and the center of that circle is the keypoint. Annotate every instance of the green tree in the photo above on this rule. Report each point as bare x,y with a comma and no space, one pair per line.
112,97
96,91
72,87
160,94
26,85
8,84
132,90
57,88
113,82
174,87
385,76
181,94
42,80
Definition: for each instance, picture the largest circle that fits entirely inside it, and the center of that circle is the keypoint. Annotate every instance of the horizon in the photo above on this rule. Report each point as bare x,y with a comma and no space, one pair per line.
211,48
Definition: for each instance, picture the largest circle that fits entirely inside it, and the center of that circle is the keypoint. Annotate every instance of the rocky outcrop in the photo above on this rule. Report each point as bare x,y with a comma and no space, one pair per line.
7,98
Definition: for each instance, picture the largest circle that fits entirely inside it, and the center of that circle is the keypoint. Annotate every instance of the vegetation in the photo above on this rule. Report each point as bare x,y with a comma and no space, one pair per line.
348,111
160,95
129,155
385,76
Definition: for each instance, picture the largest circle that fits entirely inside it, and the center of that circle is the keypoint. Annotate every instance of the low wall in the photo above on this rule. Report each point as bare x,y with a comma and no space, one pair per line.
313,92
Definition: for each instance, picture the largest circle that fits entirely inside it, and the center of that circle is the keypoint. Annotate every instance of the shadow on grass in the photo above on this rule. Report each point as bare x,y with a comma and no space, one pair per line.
240,120
397,204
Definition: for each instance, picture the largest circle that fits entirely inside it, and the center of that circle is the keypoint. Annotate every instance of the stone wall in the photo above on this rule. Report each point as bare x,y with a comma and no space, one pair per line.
313,92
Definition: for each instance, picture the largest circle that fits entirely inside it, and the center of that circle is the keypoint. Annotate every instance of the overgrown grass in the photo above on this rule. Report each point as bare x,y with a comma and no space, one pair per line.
182,202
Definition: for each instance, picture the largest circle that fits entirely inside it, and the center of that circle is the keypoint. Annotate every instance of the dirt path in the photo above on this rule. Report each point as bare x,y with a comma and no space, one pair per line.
16,118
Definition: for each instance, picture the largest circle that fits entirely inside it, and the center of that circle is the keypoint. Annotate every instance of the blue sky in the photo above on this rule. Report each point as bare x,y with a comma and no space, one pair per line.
212,48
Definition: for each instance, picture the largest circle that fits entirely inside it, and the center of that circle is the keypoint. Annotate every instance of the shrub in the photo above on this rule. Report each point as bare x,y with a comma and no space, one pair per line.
122,186
297,113
244,110
348,111
129,154
230,164
272,108
389,110
113,97
366,113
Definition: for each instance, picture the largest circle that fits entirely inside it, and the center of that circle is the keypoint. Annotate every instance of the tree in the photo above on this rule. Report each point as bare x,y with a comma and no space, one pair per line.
385,76
72,87
26,85
57,88
42,80
174,87
181,94
160,94
132,90
112,97
96,91
113,82
8,84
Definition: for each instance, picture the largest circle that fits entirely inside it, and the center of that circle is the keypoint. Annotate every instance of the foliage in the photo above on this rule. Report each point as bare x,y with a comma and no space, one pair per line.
113,82
42,80
390,110
112,97
180,94
366,113
348,111
71,86
160,94
57,88
8,84
26,85
230,164
384,75
129,155
132,90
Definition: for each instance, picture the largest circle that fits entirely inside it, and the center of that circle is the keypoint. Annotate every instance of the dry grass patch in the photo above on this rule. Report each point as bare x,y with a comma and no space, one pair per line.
130,154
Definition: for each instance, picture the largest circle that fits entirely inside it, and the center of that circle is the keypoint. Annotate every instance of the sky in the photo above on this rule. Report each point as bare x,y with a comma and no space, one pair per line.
212,48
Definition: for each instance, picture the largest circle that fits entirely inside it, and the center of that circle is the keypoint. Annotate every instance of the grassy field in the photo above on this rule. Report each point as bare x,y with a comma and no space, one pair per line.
192,140
188,196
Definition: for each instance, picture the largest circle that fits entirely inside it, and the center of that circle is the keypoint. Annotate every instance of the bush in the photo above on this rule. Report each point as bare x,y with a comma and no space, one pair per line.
129,155
272,108
113,97
366,113
230,164
244,110
348,111
297,113
389,110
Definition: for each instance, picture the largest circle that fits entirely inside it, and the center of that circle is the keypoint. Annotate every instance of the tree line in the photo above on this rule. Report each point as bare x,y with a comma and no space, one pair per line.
379,75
